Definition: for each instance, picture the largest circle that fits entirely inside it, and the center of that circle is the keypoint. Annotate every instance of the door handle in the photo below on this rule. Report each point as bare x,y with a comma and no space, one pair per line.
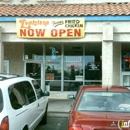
38,105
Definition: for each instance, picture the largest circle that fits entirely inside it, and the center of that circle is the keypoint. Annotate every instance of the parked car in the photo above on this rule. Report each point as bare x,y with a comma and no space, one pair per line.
23,104
98,107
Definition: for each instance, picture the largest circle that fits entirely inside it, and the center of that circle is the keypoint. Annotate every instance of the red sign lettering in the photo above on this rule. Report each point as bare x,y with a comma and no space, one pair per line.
40,32
77,32
62,31
54,32
32,32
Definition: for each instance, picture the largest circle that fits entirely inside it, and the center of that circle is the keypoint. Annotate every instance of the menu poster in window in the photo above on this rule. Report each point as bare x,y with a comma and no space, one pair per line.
49,76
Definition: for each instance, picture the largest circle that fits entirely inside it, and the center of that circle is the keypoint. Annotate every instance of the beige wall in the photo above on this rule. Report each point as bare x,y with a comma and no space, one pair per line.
1,51
116,63
14,53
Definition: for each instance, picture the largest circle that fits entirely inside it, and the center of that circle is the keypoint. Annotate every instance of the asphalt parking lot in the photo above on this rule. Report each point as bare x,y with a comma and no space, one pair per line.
54,123
58,111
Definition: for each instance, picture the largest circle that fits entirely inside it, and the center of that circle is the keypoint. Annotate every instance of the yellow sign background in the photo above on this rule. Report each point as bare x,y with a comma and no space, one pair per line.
50,28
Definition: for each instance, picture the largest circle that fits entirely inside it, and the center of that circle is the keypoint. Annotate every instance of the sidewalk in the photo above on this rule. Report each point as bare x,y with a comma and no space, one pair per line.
59,107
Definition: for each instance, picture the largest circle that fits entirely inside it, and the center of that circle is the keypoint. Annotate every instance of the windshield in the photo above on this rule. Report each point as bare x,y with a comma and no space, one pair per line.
105,101
1,101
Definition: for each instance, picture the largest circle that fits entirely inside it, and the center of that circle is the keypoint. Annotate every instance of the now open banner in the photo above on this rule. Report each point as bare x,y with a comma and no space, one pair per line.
50,28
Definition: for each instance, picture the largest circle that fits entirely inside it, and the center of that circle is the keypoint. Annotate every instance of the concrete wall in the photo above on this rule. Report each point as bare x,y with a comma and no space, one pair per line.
107,63
1,52
58,1
116,63
14,53
93,33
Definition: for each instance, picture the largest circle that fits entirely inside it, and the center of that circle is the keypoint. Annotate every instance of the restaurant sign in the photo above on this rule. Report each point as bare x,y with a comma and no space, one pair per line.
50,28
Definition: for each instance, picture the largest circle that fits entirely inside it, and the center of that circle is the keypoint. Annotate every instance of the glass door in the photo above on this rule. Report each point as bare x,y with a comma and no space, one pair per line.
93,63
33,69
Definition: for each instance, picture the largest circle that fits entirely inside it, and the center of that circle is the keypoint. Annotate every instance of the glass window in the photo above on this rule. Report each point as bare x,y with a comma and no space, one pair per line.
38,89
105,101
72,85
73,66
29,92
55,85
126,61
34,70
53,66
93,62
125,57
126,80
33,51
16,96
1,101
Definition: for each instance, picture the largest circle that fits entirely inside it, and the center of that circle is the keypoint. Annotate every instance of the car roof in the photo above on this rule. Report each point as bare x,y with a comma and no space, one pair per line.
105,88
7,76
6,80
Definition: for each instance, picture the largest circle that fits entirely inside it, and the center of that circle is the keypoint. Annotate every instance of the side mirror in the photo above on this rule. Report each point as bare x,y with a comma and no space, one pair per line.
46,93
70,96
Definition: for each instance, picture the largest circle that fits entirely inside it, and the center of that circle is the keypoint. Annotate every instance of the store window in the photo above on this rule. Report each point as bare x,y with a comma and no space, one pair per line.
67,65
53,66
126,61
125,64
125,57
33,51
33,70
93,63
73,66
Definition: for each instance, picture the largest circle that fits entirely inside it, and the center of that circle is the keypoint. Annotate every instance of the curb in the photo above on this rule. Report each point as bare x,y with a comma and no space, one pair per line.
57,114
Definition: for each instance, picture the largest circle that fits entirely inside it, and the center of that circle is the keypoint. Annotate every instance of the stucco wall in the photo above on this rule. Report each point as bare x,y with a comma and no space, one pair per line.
116,63
93,33
1,52
14,53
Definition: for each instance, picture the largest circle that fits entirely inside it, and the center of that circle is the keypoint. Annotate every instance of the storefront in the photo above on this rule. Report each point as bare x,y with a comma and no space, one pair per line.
70,52
60,66
64,66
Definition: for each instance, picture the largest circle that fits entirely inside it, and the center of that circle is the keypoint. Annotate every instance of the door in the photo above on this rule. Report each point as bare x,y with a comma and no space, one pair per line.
34,70
42,100
31,103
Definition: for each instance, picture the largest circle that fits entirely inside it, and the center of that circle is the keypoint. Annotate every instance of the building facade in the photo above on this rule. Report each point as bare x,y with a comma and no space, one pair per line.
64,45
